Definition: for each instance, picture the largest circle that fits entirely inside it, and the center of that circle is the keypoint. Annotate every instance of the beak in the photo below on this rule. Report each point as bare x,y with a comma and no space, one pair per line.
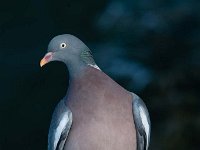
47,58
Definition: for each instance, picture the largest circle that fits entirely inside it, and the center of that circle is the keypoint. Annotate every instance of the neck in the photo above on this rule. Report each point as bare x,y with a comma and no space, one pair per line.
76,66
76,69
75,73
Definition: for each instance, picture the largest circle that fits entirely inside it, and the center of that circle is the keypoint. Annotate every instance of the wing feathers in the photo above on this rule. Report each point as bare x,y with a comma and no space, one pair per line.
142,123
59,128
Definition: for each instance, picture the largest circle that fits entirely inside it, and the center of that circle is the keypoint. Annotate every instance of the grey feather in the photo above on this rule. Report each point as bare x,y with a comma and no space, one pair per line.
60,126
87,57
142,122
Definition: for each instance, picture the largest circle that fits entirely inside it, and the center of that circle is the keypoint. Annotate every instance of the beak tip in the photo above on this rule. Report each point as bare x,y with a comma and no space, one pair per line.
46,59
42,62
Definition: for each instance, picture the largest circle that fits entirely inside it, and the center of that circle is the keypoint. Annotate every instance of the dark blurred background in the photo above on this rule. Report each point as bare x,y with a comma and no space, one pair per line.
150,47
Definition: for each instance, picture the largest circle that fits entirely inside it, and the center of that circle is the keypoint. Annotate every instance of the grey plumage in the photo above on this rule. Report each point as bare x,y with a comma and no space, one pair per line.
87,57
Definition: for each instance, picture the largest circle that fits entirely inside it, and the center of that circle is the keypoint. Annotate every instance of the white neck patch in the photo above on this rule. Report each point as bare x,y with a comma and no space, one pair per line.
94,66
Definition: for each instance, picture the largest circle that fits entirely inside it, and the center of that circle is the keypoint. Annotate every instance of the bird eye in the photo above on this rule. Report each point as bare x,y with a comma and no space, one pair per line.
63,45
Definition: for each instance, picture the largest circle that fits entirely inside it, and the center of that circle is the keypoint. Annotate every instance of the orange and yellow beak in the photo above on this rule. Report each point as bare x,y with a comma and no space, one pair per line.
47,58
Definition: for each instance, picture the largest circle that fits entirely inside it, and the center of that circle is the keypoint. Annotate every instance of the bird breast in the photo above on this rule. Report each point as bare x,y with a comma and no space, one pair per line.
102,114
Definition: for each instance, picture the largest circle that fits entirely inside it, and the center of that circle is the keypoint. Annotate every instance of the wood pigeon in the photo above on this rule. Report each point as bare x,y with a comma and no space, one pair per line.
96,113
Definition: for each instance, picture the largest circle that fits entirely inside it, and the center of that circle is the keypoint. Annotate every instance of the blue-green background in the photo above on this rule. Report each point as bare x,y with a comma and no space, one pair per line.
150,47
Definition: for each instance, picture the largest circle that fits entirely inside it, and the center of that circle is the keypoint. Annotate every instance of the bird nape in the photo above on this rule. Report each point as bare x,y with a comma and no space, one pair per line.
96,112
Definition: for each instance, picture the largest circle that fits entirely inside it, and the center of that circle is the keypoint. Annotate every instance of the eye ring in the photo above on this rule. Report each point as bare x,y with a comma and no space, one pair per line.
63,45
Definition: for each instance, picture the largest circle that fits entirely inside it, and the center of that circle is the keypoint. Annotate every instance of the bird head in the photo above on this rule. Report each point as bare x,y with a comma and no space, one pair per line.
68,49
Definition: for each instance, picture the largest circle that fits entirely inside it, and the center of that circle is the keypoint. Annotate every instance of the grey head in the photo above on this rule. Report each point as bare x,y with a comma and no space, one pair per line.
70,50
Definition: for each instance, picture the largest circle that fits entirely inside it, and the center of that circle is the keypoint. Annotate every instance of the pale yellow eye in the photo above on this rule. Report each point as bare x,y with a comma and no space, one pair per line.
63,45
